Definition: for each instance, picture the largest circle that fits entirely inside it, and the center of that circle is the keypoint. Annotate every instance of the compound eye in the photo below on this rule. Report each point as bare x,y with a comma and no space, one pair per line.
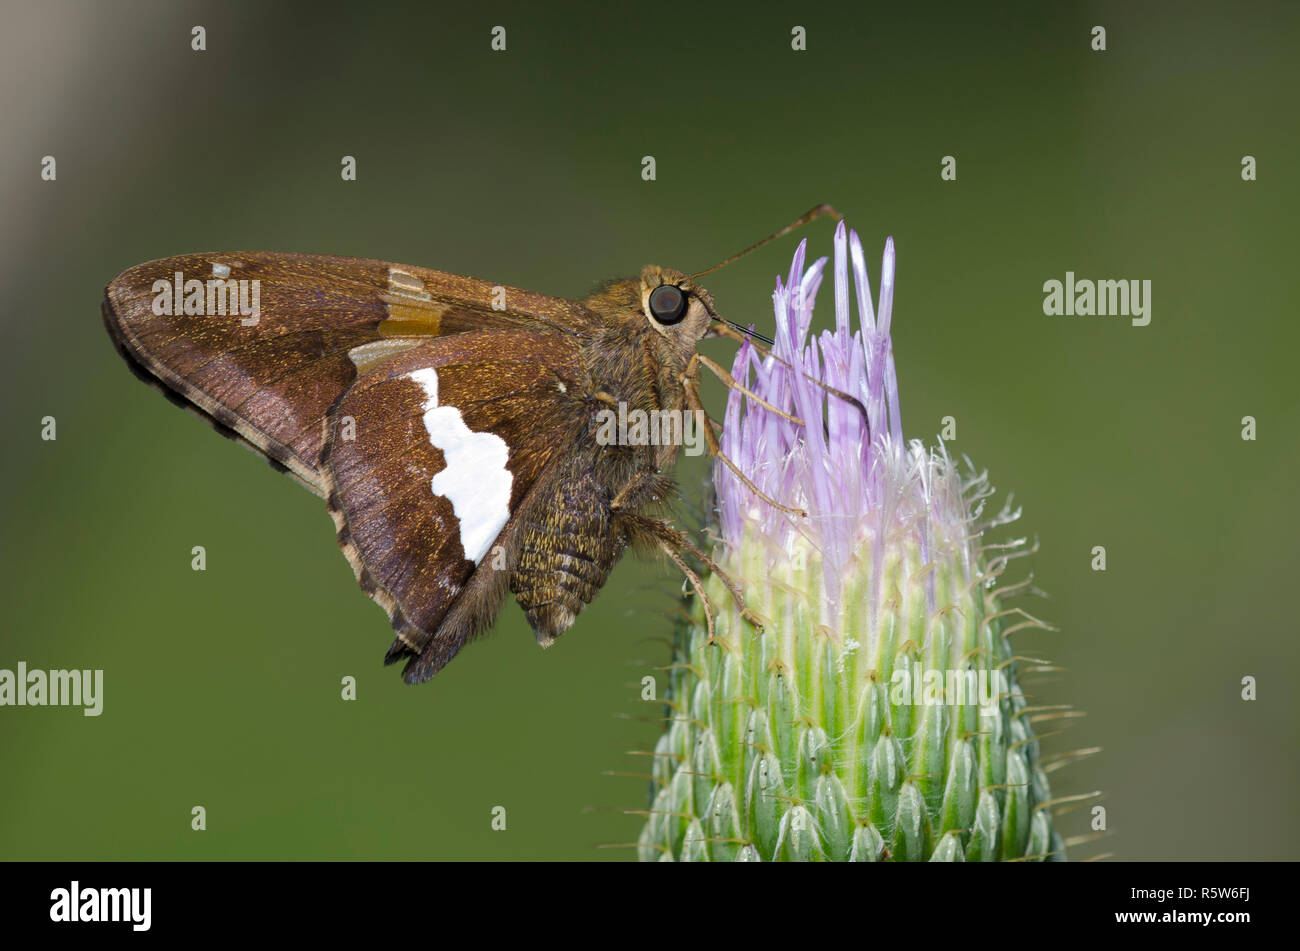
667,304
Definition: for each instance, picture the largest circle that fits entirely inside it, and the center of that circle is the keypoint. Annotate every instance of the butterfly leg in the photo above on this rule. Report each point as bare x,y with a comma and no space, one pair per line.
732,383
695,582
691,385
725,331
657,533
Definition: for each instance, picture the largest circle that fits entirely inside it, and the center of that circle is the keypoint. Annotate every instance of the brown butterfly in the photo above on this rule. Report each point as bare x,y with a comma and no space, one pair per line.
452,425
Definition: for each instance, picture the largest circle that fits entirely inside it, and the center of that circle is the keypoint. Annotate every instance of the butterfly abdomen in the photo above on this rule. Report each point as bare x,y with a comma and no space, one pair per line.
566,556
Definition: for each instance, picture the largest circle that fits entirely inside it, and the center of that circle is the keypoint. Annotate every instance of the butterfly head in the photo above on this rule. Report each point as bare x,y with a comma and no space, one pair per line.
682,312
675,307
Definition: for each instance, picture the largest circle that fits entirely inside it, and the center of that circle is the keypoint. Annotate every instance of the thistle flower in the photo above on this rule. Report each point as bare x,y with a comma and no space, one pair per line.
877,714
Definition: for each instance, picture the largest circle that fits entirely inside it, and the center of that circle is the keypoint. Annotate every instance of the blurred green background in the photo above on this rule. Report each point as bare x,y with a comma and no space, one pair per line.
222,687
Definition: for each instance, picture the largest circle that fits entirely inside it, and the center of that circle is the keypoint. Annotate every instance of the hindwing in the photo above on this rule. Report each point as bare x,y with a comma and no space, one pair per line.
432,455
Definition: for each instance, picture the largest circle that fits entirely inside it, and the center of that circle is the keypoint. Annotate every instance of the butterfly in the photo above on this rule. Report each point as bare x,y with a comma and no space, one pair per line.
453,426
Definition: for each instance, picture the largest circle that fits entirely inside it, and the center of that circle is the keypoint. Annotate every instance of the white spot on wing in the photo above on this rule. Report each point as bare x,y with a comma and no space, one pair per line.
220,270
475,480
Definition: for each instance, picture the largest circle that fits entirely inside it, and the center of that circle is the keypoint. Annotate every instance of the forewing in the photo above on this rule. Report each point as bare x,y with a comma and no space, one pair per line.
270,372
431,454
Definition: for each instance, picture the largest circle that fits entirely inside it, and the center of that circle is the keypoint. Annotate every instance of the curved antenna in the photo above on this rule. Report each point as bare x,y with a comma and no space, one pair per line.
797,223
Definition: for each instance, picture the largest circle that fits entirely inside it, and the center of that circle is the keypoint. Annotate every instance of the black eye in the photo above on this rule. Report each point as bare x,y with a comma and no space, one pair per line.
667,304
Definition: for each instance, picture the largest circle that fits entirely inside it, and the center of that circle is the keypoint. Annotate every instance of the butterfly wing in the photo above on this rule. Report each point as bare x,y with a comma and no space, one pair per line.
433,456
258,343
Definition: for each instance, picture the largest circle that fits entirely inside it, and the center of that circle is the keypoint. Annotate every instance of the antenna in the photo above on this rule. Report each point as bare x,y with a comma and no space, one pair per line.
797,223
